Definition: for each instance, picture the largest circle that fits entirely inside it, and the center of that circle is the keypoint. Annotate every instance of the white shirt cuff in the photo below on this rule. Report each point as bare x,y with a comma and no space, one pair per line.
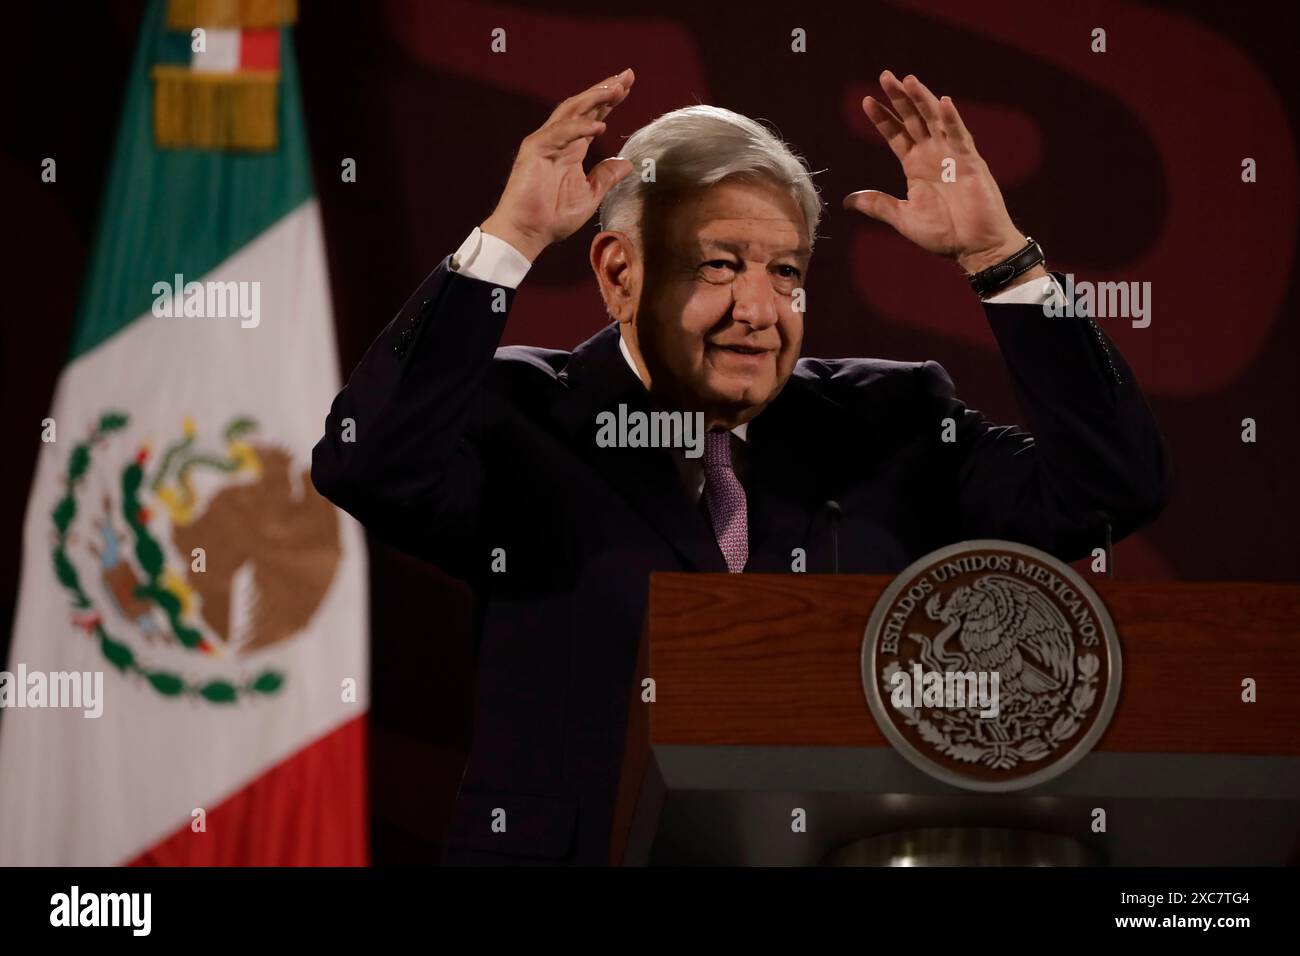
1038,292
490,259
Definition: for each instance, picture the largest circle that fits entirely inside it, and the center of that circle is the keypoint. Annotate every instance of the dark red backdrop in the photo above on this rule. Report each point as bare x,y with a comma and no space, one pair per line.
1125,165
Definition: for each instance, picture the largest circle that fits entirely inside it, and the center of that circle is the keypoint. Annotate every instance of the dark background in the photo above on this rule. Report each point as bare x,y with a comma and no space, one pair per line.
1125,165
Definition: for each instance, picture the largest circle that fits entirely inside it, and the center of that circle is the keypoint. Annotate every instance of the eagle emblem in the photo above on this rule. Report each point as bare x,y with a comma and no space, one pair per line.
1001,615
186,567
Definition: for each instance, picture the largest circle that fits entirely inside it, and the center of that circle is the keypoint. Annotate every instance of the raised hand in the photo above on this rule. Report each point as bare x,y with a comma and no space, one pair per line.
965,218
548,196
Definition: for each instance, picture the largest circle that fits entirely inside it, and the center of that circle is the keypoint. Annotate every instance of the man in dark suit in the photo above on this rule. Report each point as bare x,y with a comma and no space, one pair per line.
492,462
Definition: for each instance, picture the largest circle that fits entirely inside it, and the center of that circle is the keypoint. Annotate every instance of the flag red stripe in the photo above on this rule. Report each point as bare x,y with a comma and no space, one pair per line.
309,810
259,49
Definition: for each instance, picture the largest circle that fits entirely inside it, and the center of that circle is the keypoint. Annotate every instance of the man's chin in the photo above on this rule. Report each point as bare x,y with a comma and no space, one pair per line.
737,394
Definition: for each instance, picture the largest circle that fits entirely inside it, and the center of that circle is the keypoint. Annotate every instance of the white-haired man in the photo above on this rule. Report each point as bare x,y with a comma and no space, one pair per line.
689,435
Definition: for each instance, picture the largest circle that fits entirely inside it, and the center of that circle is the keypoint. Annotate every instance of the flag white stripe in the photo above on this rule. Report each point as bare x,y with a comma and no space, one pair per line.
77,791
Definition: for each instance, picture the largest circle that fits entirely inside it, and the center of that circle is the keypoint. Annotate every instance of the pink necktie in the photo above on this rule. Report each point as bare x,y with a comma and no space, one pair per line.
725,498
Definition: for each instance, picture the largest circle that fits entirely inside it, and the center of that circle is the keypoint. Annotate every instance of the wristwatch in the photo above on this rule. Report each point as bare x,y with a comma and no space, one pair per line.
988,281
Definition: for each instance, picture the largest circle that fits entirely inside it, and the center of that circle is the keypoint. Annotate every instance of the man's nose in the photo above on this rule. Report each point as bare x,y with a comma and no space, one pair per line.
754,300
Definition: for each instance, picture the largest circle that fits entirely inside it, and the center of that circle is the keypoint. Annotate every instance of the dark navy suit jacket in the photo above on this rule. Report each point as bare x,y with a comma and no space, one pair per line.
461,448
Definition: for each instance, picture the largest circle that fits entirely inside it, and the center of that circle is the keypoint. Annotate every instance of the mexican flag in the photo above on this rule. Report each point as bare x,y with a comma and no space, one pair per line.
188,673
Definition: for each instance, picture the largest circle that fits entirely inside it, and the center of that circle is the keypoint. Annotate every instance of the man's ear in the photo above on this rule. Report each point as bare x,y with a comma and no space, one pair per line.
617,265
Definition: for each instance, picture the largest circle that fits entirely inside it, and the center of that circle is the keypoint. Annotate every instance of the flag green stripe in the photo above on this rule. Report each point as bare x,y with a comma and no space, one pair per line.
181,210
171,47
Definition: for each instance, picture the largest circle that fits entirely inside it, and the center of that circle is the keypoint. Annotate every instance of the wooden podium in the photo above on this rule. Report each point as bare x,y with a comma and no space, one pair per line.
760,709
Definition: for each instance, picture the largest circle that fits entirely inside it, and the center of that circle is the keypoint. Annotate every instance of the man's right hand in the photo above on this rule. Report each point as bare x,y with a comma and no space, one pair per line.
548,196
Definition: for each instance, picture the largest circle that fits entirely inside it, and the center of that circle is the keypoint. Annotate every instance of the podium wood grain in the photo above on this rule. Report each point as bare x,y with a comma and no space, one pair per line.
774,660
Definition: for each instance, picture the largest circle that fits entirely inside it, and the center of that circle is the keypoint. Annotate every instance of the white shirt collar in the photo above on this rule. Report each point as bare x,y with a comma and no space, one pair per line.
740,431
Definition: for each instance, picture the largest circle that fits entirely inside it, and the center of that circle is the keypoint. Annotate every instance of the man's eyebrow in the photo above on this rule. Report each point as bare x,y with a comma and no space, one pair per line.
737,248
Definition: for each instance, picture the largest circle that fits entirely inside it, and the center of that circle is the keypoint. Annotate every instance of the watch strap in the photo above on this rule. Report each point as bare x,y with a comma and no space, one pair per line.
988,281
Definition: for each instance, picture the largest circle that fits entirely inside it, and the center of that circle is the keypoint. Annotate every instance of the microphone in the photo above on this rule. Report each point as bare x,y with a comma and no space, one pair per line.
833,509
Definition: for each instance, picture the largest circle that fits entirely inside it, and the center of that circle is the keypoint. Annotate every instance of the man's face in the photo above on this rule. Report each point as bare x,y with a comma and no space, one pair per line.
716,323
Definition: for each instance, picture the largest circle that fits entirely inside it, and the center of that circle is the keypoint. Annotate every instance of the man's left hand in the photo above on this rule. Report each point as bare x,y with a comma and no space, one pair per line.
953,206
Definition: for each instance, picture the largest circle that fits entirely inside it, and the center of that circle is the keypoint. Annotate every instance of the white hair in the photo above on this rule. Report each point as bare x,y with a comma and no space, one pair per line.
699,146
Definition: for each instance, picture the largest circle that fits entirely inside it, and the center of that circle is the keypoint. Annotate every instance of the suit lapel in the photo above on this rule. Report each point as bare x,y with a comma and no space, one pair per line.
804,447
807,450
787,456
597,379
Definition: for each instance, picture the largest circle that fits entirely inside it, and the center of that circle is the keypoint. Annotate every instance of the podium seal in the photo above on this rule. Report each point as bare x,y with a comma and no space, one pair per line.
991,665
